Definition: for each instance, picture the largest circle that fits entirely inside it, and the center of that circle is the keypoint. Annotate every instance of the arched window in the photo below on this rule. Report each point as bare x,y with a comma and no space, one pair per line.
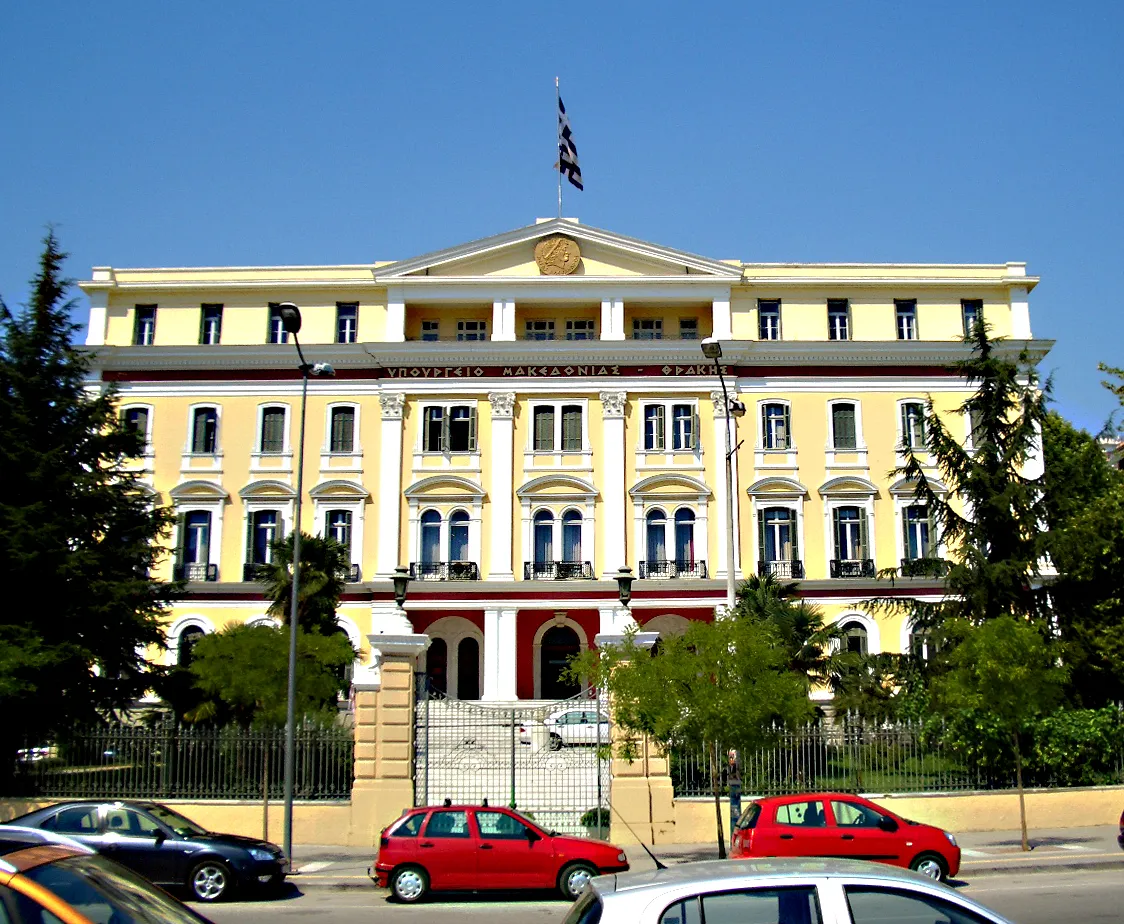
559,644
657,536
189,637
684,538
571,536
854,637
458,536
544,537
468,669
437,667
430,537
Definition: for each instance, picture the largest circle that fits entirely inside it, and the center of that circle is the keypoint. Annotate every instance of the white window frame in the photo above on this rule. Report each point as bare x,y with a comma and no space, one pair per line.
251,504
356,506
558,505
905,498
760,318
453,630
873,634
479,332
588,329
860,452
669,511
150,338
436,331
537,459
689,321
846,319
764,502
257,457
336,463
203,322
532,327
964,314
355,329
667,456
774,458
445,510
653,326
899,446
899,315
461,462
213,506
272,318
864,502
148,453
190,462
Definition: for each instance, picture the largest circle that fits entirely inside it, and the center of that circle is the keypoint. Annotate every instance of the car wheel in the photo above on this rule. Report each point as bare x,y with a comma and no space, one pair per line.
574,878
409,884
931,865
555,742
210,881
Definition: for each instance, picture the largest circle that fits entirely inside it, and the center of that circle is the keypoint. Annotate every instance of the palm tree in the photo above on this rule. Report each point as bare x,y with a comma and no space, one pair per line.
324,566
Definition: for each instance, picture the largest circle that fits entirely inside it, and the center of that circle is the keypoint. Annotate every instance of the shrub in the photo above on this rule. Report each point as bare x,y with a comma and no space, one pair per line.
589,819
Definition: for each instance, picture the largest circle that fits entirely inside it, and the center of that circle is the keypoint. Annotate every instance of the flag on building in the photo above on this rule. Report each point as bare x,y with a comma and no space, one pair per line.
567,150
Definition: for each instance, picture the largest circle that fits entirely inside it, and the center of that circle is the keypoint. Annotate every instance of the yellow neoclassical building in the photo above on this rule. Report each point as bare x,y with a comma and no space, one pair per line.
514,419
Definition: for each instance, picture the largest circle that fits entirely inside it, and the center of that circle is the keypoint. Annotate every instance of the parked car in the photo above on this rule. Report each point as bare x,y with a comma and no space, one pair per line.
45,877
841,825
165,847
787,890
577,725
470,847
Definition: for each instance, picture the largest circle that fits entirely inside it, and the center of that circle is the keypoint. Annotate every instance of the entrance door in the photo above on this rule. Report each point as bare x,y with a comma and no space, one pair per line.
437,666
559,645
468,669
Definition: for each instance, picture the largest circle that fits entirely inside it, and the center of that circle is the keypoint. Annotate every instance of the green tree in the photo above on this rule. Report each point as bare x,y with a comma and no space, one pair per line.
324,564
76,526
242,673
1077,471
1002,669
725,684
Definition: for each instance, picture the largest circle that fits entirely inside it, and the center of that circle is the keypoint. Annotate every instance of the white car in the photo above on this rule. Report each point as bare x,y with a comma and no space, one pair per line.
577,725
788,890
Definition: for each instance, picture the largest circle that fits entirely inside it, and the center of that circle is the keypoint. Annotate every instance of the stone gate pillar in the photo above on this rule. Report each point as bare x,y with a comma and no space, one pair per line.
384,735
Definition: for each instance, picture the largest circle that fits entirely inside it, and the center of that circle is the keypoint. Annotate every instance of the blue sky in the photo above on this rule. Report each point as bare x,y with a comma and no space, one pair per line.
157,134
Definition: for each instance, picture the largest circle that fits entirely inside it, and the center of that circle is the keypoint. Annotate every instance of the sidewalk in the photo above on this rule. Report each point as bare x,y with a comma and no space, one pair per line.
983,853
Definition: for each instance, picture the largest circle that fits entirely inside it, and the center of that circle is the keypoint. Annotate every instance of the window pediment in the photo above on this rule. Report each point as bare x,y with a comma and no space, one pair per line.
848,486
339,488
268,488
905,487
669,487
198,490
558,487
778,487
438,486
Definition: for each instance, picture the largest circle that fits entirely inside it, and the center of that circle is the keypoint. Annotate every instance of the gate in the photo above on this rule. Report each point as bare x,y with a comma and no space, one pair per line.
548,760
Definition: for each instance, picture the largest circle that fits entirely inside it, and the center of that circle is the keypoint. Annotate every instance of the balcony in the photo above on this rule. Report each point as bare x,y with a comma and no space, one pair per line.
252,571
199,571
924,567
852,568
792,570
354,575
444,571
662,568
558,571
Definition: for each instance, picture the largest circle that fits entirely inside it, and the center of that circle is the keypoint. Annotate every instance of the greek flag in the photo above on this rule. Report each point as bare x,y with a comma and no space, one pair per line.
567,151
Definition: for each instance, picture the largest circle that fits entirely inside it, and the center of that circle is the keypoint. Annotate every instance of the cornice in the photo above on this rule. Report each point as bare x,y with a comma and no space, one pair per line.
904,283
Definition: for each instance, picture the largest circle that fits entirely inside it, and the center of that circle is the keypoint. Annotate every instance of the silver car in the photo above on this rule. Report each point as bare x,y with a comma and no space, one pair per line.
781,891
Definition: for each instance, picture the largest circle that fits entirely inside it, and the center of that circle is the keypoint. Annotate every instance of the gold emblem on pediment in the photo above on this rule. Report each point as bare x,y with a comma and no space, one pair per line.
557,255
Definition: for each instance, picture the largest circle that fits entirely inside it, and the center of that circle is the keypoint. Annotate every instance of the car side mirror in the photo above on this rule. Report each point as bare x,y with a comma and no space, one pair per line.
160,837
886,823
533,835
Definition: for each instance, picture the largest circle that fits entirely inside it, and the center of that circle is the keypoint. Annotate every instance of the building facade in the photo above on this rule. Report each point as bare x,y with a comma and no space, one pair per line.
516,418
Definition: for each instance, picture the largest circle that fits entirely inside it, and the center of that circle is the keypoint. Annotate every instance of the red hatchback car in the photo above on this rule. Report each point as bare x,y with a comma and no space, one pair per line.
471,847
840,825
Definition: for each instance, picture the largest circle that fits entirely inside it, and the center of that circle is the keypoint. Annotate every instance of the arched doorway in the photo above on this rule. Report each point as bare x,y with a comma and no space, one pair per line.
468,669
559,644
437,667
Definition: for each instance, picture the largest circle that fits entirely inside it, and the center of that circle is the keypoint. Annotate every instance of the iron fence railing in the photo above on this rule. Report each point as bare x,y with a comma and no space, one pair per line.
924,567
851,757
444,571
672,568
793,569
852,568
558,571
170,761
198,571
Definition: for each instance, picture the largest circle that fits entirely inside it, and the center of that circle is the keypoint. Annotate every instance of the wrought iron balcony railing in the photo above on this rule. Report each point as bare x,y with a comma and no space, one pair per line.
924,567
672,568
558,571
252,570
198,571
852,568
354,575
793,569
444,571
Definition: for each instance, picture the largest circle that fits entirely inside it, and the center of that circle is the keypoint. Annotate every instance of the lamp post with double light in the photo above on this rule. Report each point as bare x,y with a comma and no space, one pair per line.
712,349
291,322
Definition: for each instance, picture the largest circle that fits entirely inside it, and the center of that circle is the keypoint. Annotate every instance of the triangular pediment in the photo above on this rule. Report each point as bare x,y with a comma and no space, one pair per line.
600,254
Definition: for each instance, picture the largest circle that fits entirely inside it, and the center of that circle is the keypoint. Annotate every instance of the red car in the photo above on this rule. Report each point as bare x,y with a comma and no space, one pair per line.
840,825
472,847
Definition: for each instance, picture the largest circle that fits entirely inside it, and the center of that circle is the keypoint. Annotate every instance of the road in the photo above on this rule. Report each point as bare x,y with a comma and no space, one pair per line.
1089,896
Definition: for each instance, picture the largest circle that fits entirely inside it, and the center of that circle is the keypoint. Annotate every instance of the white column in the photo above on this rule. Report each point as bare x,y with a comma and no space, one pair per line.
500,491
99,307
721,322
503,319
395,317
613,495
615,620
499,654
387,618
390,481
612,319
1020,313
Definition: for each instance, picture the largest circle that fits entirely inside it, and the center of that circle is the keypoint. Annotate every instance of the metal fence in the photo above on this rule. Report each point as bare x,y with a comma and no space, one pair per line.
170,761
849,757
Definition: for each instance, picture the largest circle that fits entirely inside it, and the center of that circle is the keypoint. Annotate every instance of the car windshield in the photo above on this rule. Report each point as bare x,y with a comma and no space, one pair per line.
174,820
110,894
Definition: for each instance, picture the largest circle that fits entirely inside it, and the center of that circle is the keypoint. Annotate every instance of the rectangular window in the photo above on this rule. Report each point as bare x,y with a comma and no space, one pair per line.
838,319
544,429
572,428
580,330
462,429
204,430
843,431
273,429
210,328
431,331
339,528
917,532
276,332
647,329
775,426
144,325
654,427
913,425
343,430
539,330
135,419
683,427
472,330
769,318
971,309
688,328
906,311
347,322
433,430
976,432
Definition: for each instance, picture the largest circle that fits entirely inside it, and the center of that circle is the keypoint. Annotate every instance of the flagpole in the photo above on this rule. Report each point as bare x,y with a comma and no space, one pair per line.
557,109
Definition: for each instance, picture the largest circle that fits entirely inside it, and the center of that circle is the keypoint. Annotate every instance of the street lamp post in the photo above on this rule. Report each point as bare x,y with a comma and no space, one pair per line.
291,321
712,349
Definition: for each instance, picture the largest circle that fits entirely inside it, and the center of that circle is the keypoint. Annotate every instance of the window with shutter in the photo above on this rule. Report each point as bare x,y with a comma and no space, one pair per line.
544,429
913,425
571,429
775,426
843,426
343,430
654,427
433,430
683,438
273,429
462,429
204,430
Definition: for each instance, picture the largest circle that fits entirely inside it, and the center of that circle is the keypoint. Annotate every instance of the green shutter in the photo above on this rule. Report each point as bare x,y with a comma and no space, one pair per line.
787,427
694,429
934,550
795,534
760,535
571,429
180,536
864,548
843,425
835,532
544,428
905,532
472,429
905,425
661,428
